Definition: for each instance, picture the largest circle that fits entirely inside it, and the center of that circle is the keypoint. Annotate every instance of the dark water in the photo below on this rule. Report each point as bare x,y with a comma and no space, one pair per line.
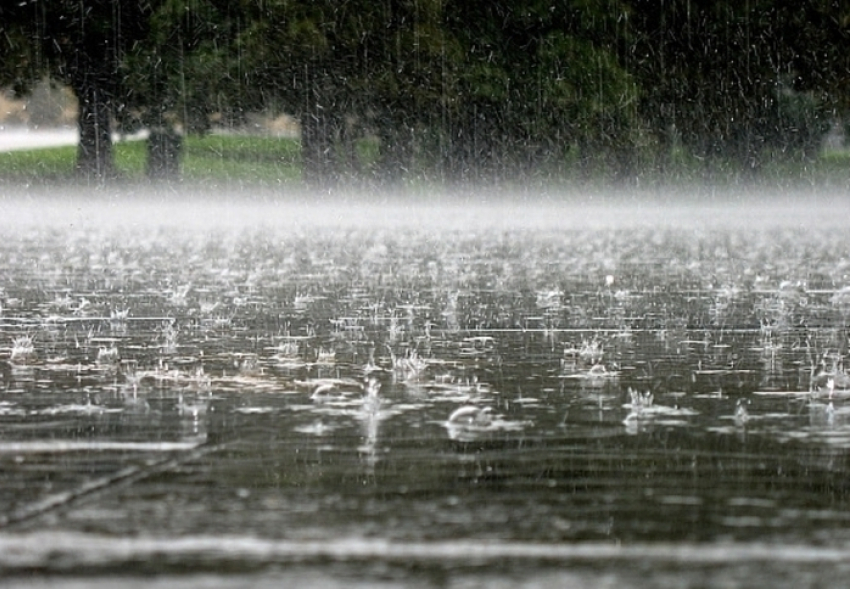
268,398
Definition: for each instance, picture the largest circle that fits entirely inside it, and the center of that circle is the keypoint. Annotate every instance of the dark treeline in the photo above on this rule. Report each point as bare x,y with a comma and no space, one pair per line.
452,90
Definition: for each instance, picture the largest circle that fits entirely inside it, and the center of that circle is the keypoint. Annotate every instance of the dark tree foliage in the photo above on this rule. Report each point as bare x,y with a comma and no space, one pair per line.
83,44
467,90
178,78
537,80
178,75
286,57
452,89
736,82
346,69
17,52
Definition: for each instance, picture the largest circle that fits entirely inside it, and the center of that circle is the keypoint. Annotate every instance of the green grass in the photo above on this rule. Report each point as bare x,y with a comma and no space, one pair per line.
224,160
54,163
213,159
241,159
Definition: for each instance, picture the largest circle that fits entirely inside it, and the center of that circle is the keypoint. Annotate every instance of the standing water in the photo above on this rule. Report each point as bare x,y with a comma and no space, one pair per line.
449,396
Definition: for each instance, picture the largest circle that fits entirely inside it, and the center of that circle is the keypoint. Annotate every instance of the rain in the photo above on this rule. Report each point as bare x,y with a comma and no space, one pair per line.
426,294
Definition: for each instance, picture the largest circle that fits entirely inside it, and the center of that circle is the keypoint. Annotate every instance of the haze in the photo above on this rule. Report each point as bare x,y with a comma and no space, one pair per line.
471,210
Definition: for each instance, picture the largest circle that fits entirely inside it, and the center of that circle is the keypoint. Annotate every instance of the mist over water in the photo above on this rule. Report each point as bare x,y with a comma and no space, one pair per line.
447,209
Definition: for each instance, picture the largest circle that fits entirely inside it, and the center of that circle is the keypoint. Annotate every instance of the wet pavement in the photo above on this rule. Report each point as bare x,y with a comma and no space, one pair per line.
410,404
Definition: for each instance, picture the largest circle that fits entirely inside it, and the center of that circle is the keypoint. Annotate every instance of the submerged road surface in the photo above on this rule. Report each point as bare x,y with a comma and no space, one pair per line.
22,138
247,392
14,138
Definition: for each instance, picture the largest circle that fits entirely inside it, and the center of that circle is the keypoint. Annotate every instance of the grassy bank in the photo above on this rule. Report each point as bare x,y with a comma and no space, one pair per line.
241,159
214,159
236,160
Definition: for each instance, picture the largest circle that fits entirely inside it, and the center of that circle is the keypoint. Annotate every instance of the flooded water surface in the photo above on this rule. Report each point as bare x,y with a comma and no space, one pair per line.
424,397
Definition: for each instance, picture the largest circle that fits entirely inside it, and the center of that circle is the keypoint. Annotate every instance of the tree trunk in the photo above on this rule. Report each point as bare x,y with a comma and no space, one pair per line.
94,151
